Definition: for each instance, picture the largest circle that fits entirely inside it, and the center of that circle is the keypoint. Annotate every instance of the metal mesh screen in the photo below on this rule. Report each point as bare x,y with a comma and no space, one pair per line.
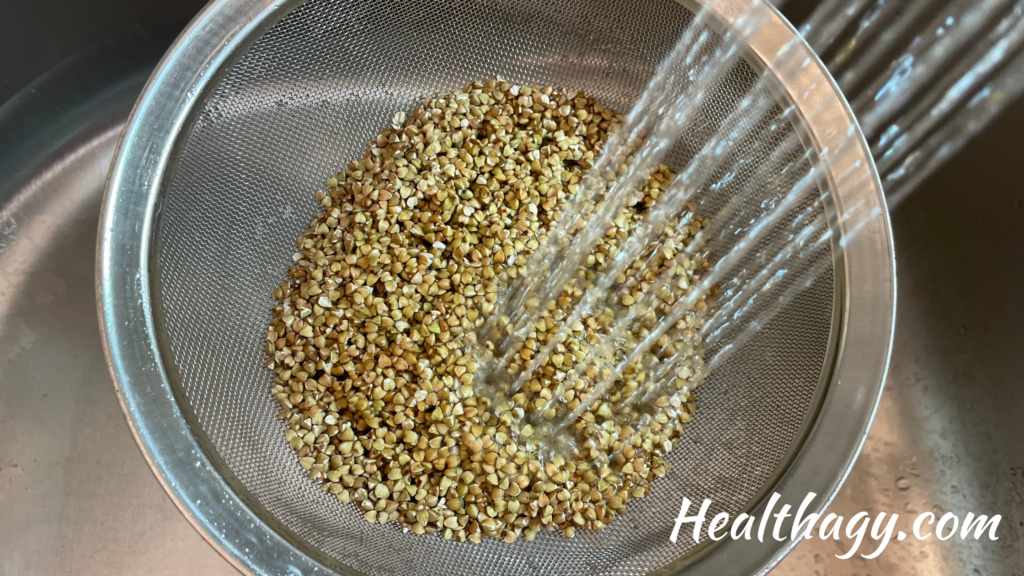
303,102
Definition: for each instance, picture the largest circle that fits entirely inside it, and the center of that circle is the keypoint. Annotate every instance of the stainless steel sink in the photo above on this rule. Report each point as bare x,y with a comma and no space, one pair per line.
949,433
76,496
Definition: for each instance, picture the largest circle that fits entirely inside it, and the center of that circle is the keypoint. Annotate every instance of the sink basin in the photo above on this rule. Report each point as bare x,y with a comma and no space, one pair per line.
949,432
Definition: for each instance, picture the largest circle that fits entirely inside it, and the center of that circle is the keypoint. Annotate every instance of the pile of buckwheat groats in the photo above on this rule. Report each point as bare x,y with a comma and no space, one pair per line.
369,343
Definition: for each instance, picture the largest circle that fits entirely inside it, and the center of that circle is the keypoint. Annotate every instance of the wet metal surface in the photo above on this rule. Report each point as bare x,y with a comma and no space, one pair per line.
949,433
76,496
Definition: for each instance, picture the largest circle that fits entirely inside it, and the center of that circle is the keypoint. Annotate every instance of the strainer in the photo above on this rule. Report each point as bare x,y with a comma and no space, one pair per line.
214,178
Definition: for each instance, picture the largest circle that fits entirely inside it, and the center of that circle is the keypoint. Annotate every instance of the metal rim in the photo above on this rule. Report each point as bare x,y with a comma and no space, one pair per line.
190,476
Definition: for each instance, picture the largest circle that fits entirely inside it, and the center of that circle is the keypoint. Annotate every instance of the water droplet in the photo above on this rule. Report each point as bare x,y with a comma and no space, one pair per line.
903,483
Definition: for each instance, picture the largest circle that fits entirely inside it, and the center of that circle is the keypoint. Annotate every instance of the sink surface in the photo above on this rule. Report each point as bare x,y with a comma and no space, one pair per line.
949,433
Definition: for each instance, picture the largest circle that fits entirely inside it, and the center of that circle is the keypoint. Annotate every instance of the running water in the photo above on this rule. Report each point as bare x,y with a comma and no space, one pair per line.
953,69
923,76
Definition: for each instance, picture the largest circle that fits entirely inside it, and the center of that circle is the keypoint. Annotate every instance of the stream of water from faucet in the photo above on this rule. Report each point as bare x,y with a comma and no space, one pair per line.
958,67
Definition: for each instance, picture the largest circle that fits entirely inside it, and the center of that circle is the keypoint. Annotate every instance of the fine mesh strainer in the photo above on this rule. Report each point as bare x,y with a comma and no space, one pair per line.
259,100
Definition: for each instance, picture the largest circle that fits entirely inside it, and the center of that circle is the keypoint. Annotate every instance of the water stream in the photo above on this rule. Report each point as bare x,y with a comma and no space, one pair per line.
923,77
